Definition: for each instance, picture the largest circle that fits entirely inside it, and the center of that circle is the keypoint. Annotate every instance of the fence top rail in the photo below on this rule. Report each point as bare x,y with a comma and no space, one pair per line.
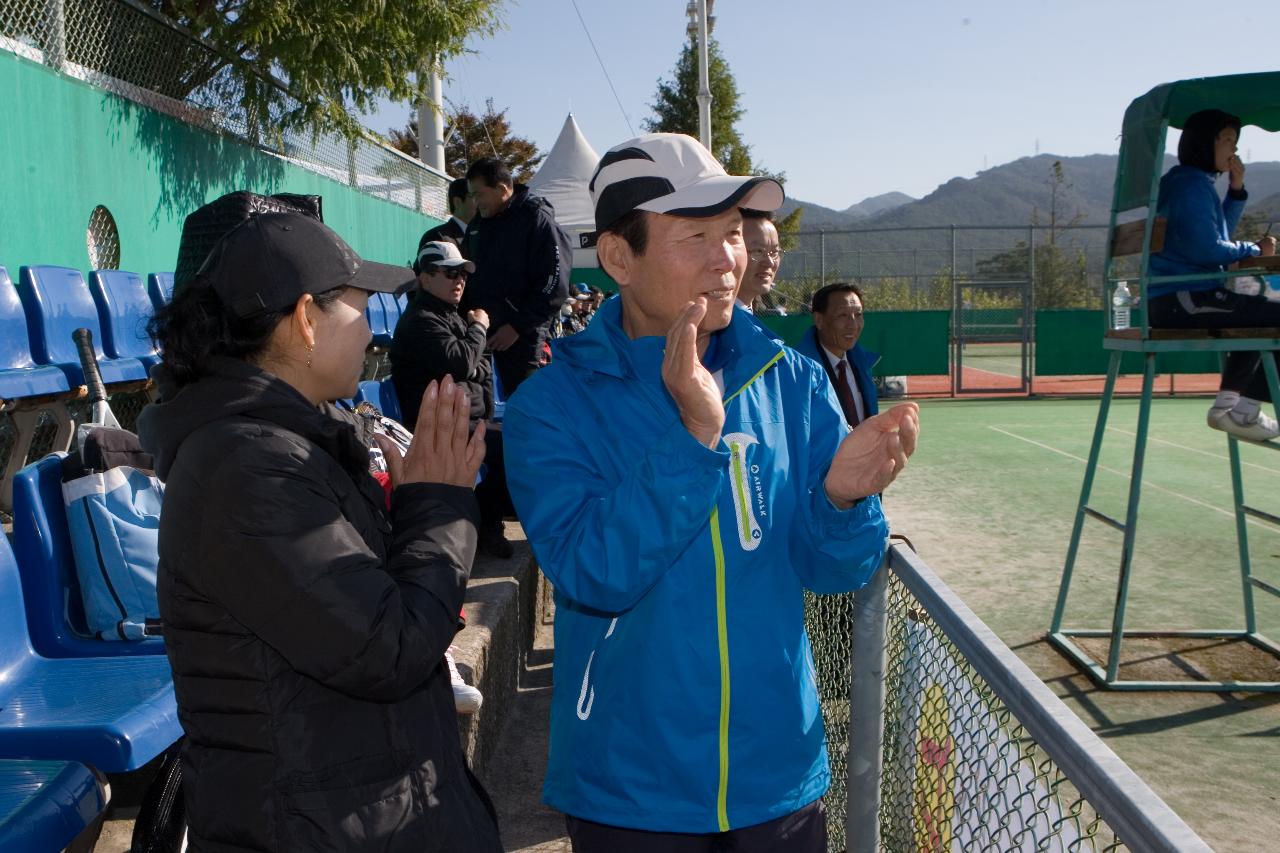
1133,811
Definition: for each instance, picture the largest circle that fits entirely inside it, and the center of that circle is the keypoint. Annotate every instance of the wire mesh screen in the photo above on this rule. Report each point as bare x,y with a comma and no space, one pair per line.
920,267
135,52
829,623
960,773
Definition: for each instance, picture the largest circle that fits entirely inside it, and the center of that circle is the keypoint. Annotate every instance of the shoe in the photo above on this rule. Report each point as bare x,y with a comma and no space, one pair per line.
466,699
493,541
1262,428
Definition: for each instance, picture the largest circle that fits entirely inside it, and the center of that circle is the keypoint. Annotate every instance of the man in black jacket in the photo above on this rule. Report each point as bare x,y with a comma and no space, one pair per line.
433,340
523,259
462,209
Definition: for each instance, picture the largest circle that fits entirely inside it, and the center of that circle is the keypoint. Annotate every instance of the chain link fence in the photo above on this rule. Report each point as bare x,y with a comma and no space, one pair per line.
920,267
131,50
958,769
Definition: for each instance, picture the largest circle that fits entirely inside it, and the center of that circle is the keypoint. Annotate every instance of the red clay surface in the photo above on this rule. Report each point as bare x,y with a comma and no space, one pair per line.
989,384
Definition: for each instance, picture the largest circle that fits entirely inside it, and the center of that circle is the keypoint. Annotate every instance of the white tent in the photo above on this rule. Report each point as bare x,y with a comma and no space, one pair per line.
562,180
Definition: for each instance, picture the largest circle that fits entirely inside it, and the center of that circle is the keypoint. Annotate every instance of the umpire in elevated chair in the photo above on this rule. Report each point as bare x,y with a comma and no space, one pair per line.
682,478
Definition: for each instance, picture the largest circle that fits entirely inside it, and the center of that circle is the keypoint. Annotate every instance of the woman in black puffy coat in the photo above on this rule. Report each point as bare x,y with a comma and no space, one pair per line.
306,624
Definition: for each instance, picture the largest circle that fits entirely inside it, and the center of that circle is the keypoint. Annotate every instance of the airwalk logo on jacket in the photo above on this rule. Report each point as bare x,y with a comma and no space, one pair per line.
748,491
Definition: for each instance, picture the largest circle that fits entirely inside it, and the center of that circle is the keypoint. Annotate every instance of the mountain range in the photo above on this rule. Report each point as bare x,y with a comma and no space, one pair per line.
1017,194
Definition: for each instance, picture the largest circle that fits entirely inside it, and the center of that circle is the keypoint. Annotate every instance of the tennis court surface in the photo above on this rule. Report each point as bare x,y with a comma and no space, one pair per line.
988,502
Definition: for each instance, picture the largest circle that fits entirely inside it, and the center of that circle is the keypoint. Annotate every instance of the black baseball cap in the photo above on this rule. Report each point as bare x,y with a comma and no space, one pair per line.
267,262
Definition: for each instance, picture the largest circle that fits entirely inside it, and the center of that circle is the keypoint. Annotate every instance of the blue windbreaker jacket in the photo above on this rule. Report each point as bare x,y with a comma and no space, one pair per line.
1198,230
684,696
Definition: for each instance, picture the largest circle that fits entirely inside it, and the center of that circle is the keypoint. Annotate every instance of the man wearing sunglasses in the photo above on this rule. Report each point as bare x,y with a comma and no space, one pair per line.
433,340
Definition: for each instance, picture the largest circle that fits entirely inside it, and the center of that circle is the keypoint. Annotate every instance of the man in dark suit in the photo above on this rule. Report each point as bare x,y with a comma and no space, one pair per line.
833,343
462,207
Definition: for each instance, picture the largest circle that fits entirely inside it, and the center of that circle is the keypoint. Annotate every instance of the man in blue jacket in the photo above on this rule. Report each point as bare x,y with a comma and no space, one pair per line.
716,481
832,341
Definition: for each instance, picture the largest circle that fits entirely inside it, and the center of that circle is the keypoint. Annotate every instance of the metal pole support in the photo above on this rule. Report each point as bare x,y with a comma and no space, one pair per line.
866,714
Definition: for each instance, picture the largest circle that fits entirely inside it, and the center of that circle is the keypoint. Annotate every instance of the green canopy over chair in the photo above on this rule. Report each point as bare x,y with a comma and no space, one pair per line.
1255,98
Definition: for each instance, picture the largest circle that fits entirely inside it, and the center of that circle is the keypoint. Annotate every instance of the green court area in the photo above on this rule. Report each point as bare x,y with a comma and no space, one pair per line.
1004,359
988,502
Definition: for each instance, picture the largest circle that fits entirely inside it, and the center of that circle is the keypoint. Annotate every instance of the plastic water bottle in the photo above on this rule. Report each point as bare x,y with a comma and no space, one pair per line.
1121,302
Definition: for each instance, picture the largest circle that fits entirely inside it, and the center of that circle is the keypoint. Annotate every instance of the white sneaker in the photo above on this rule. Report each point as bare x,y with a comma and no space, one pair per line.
1261,428
466,699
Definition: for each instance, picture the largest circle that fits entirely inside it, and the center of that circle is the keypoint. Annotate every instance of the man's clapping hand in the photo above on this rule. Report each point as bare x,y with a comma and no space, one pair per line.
873,455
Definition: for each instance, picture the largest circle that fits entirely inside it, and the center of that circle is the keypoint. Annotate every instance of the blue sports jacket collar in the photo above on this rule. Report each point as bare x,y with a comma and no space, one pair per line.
604,347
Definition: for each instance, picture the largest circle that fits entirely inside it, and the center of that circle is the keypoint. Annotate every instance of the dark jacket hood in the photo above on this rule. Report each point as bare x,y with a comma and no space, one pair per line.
237,389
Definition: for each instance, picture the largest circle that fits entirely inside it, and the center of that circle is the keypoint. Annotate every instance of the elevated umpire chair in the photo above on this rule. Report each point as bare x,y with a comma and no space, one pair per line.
1256,99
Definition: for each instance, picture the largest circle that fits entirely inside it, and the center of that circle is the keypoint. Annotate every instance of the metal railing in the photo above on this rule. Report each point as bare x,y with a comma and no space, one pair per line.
947,740
126,48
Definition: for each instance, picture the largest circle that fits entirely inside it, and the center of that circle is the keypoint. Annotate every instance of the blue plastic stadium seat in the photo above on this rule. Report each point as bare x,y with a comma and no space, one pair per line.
27,390
382,394
393,310
499,396
19,375
112,713
403,301
379,323
160,288
44,805
42,545
123,311
57,302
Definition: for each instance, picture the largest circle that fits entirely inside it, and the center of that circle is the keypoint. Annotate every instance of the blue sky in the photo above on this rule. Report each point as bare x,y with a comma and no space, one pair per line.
853,98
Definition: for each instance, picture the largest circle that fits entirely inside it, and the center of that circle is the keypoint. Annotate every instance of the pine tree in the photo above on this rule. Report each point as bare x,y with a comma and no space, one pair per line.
675,110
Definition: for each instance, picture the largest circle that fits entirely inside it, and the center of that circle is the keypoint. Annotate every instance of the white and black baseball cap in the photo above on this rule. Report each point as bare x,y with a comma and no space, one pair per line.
674,174
442,253
271,259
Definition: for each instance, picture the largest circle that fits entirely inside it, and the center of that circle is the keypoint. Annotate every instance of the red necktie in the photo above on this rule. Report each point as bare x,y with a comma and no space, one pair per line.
844,393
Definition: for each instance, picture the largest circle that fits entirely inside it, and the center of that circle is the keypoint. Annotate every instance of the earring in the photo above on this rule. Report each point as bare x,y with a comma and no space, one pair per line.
310,349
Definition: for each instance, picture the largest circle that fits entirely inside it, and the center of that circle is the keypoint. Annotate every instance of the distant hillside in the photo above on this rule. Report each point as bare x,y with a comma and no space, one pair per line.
877,204
816,216
1013,194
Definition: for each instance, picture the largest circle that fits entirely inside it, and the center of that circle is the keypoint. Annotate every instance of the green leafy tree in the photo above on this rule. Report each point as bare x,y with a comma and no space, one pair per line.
470,137
307,63
675,107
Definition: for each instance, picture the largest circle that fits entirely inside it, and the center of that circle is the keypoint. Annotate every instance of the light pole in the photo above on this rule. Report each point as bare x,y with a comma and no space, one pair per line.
431,118
700,24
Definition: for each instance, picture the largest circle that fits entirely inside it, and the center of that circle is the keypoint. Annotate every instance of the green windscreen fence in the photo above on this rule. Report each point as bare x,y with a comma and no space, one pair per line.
1069,343
910,343
593,277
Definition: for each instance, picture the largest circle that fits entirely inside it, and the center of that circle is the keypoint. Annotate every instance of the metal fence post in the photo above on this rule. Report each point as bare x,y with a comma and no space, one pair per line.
55,40
822,253
866,715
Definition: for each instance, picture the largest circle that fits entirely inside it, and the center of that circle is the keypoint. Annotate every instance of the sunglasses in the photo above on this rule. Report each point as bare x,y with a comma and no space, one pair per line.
451,273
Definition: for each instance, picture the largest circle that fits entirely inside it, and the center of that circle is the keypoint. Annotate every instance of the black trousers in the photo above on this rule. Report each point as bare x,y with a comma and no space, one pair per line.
802,831
517,362
1242,372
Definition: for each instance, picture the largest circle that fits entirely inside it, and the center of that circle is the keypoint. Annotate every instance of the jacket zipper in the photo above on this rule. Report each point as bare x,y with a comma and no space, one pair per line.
722,635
